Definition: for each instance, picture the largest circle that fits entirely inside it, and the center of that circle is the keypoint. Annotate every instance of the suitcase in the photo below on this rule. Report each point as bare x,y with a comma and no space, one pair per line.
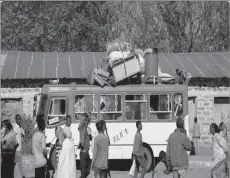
126,68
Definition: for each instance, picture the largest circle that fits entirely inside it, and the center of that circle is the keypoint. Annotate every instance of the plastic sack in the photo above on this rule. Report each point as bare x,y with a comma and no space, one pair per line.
17,171
28,166
132,169
117,45
117,55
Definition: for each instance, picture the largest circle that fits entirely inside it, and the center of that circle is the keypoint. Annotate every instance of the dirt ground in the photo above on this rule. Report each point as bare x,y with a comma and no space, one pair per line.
196,173
199,167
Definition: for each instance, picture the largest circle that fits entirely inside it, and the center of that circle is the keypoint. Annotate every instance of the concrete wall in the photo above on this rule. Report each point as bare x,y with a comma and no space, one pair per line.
27,95
205,107
204,103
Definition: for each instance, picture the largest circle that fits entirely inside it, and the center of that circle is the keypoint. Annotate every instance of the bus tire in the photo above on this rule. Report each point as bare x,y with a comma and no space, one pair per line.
148,154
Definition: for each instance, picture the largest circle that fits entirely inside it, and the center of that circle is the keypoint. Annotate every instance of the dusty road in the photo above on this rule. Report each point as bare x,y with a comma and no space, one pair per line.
198,173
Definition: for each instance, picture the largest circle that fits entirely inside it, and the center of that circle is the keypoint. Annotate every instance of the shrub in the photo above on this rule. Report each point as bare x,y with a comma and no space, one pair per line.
28,124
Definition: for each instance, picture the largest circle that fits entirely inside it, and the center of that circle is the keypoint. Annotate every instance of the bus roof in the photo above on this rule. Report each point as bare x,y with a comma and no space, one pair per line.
121,88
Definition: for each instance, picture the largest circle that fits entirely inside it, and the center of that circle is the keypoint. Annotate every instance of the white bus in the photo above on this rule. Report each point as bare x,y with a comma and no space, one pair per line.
157,106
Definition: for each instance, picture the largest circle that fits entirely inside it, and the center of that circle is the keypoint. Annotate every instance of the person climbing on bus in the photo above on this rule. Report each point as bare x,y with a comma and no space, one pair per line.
138,151
84,145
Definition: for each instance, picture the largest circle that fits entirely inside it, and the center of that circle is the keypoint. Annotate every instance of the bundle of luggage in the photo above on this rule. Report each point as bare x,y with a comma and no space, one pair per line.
123,62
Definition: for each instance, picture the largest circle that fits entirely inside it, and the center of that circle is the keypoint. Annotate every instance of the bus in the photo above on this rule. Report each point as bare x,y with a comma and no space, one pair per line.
157,106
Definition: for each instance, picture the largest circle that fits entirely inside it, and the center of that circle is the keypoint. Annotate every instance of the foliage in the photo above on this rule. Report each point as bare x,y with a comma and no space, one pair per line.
87,25
28,126
6,114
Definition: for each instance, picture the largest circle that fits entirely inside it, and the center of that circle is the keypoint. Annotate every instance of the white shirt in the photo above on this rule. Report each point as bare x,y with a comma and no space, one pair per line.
18,133
38,145
67,131
219,146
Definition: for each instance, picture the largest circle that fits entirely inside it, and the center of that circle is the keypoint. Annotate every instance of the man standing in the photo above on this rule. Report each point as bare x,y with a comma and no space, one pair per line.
138,151
19,132
100,151
84,145
39,148
178,145
196,135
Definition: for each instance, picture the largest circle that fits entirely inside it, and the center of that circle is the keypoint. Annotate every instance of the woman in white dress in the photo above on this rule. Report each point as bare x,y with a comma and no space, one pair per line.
67,163
221,154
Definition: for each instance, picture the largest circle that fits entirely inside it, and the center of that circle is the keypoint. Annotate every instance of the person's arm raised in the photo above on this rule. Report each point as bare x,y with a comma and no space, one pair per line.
106,132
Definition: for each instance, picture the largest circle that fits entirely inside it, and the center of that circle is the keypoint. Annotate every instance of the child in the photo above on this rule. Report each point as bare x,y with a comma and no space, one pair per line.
160,169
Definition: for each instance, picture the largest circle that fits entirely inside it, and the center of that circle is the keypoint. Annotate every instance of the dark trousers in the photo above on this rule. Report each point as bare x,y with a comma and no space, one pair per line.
40,172
85,164
100,173
7,165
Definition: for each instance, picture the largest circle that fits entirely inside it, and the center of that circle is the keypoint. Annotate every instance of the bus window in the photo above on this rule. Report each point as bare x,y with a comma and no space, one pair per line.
178,105
135,107
57,111
110,107
160,107
86,103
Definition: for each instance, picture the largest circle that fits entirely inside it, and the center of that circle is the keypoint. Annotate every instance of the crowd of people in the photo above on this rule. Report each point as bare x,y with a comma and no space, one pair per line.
173,163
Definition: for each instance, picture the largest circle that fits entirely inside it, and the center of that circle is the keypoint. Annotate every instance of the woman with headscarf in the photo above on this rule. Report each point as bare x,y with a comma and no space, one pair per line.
9,145
221,154
66,163
58,145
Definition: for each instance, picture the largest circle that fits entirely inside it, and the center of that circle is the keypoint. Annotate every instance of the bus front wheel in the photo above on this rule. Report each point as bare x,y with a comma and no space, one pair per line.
149,157
148,154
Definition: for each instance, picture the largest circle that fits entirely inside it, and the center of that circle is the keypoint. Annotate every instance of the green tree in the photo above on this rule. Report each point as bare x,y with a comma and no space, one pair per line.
88,25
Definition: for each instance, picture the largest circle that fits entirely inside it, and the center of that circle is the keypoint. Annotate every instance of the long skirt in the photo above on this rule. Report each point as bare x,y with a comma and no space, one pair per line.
7,165
67,164
220,170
